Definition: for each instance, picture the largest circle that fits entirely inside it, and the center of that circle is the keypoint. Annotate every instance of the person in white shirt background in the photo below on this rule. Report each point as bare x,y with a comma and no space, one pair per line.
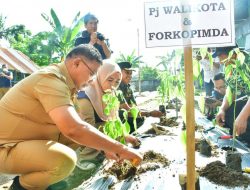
209,73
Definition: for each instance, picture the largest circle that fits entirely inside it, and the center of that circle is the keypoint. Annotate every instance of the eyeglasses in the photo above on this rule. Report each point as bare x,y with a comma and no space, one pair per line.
92,73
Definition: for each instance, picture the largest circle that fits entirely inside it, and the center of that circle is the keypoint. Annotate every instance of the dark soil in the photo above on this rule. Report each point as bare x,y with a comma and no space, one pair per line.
148,167
205,148
150,131
220,174
170,106
199,128
233,160
197,144
158,130
137,145
214,149
122,170
151,161
152,156
162,109
170,122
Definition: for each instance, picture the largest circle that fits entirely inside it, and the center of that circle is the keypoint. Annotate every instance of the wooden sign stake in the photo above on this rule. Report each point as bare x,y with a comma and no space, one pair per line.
190,120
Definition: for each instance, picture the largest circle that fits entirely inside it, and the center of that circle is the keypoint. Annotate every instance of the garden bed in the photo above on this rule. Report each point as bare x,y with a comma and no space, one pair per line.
220,174
151,162
153,175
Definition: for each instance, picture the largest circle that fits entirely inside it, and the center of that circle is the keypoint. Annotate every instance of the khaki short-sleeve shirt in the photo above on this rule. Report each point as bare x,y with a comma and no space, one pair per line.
24,109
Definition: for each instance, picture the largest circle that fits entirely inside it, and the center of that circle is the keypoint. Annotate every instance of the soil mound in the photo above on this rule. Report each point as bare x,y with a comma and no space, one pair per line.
151,161
220,174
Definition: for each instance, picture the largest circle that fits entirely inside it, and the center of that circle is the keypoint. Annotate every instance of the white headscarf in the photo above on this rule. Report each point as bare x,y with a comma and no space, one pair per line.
95,91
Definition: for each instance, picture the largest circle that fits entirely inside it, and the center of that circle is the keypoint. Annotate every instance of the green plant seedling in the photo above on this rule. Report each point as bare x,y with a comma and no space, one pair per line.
114,127
134,112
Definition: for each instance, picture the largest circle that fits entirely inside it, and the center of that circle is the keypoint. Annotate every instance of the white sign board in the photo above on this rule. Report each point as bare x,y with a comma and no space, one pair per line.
198,23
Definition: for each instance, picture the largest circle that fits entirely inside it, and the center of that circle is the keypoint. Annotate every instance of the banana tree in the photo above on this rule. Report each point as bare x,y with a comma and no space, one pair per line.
64,36
165,60
132,58
171,85
165,86
172,79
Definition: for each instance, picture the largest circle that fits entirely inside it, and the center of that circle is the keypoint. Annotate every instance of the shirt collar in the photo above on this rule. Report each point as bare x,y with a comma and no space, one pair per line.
85,34
124,85
67,76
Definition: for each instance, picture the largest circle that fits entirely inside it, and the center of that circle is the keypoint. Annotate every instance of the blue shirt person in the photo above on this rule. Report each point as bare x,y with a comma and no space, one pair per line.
6,77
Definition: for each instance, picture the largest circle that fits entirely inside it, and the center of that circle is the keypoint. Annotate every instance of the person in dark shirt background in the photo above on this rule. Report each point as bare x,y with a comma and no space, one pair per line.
91,36
5,80
219,87
212,102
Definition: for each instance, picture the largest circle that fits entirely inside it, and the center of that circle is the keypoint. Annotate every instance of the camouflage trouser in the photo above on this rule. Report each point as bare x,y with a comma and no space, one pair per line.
3,91
139,121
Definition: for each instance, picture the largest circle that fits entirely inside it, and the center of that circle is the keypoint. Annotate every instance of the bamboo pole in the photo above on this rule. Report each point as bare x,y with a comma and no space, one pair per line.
190,123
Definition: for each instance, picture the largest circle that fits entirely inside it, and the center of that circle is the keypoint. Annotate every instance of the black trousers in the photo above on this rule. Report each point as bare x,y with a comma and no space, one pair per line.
139,121
229,119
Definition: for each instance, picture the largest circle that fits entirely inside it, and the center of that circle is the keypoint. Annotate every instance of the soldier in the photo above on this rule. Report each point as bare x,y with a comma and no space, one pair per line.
127,98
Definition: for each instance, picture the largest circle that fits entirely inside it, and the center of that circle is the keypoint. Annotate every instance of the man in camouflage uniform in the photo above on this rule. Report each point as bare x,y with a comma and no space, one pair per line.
237,75
125,87
127,99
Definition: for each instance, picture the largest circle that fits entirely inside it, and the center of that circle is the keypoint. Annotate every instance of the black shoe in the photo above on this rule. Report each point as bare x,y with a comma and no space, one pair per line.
16,185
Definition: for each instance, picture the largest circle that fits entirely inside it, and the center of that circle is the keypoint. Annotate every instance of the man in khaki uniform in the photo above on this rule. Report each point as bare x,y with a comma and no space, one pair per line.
38,111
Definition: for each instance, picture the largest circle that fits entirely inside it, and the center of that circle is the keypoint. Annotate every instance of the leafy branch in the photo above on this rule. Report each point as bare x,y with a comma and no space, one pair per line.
237,75
114,127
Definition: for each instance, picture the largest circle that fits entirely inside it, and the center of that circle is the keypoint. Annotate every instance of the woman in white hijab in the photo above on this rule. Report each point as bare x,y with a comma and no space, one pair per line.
91,106
90,101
